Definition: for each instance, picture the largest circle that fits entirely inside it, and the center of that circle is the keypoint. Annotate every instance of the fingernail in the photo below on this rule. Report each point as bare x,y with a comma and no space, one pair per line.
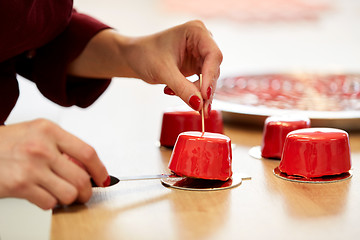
168,91
208,92
106,183
195,102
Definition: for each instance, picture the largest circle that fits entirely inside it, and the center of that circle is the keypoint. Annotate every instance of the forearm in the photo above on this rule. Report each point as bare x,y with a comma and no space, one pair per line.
103,57
167,57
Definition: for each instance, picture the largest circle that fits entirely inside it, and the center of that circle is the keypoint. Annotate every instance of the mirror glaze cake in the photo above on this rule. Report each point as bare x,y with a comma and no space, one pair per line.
275,130
316,152
176,122
202,155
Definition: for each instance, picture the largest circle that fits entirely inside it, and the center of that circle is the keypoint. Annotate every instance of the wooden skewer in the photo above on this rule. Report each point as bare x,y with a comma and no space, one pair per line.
202,110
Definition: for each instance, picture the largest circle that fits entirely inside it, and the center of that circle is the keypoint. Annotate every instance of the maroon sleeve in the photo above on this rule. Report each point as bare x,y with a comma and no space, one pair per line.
9,89
48,67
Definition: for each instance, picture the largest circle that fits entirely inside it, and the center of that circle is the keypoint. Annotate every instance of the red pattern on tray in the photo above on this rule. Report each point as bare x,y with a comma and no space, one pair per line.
318,92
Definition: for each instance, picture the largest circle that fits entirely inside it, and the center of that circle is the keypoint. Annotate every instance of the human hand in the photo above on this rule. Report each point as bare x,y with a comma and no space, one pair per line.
35,164
170,56
166,57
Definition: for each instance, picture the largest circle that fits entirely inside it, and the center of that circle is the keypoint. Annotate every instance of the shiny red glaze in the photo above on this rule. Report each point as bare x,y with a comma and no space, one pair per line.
316,152
202,155
275,130
176,122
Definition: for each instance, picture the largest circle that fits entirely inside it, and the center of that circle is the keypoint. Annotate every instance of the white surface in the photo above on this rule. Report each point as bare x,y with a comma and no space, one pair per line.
20,220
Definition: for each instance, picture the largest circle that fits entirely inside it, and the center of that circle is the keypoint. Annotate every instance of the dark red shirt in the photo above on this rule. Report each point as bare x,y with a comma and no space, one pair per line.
54,34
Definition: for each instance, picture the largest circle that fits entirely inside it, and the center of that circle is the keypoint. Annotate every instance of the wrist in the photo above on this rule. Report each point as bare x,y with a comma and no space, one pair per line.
126,52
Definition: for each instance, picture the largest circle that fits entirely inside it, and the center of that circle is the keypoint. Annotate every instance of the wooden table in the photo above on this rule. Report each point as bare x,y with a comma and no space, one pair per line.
126,133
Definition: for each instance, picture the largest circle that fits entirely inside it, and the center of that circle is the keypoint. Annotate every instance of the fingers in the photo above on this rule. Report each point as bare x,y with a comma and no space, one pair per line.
212,58
196,101
40,197
211,72
206,54
51,189
63,191
47,183
70,180
36,184
39,167
72,161
84,154
201,55
183,88
168,91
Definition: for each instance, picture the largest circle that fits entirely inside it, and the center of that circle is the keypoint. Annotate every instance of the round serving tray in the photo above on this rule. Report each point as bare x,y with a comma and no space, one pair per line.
196,184
325,179
329,100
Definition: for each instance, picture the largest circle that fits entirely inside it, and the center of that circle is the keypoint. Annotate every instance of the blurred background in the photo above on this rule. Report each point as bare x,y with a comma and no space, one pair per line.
257,36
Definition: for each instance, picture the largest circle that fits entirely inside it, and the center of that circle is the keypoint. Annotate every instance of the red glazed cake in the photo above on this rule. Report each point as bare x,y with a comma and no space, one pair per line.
316,152
275,130
176,122
202,155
